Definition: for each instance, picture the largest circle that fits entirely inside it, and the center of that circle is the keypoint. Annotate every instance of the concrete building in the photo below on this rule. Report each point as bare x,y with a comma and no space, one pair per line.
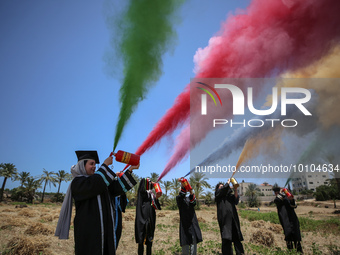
243,187
309,181
265,188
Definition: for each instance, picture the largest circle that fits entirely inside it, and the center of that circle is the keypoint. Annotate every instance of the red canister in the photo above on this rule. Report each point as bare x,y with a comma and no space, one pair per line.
186,184
127,158
158,189
287,193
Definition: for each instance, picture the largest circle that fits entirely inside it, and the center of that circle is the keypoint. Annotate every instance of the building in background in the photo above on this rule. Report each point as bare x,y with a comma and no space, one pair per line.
265,188
309,181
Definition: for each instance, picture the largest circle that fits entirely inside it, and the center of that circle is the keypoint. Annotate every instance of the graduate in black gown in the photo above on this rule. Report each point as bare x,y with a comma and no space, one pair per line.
189,230
93,192
228,219
288,219
145,222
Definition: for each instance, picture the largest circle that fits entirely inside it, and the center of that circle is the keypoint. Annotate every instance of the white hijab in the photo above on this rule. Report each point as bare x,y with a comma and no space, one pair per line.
64,222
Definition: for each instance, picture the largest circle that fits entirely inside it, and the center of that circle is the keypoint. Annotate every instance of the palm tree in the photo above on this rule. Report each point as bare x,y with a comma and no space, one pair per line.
166,185
62,176
154,177
175,185
48,178
22,178
30,186
252,192
208,198
198,181
7,170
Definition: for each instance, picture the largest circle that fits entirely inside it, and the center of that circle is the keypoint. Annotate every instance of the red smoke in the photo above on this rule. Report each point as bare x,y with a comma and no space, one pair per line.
174,117
269,38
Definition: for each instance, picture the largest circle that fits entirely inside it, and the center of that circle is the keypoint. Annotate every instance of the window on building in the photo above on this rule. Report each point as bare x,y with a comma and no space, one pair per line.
310,182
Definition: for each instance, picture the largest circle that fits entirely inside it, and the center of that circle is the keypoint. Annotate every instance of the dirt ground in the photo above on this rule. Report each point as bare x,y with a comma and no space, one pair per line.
31,231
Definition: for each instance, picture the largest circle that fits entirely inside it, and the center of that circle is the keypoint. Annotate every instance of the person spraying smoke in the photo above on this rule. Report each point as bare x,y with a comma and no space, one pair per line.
286,205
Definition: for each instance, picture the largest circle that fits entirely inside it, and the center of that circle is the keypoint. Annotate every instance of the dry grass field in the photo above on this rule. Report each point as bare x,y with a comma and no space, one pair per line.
30,230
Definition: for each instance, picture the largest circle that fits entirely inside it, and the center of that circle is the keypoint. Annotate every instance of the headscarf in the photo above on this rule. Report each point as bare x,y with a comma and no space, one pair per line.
64,222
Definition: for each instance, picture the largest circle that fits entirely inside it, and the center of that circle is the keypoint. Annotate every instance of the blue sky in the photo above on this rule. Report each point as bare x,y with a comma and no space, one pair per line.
56,96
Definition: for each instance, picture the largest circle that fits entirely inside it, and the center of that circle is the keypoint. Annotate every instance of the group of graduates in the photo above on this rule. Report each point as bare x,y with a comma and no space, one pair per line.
100,199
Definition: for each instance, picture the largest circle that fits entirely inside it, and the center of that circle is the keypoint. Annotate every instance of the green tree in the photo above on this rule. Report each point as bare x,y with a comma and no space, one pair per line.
18,193
198,182
47,178
252,193
7,170
29,188
208,197
175,185
166,185
154,177
22,177
335,172
327,192
62,176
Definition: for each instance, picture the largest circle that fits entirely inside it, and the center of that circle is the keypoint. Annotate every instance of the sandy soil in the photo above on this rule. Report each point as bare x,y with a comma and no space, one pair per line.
33,228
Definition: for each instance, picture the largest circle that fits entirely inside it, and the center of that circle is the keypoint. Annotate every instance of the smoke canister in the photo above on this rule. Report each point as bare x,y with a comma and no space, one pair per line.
157,189
234,182
287,193
127,158
186,184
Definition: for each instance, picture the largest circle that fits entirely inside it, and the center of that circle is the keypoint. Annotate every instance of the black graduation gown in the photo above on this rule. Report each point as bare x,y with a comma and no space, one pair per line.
188,225
120,207
94,220
227,214
288,219
145,221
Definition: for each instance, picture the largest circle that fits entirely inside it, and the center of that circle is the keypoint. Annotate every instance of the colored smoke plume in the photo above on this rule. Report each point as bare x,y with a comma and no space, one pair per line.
326,87
324,72
145,33
269,38
254,146
328,90
181,149
265,140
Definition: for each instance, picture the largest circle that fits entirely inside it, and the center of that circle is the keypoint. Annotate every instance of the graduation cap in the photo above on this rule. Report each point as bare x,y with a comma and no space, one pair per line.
88,155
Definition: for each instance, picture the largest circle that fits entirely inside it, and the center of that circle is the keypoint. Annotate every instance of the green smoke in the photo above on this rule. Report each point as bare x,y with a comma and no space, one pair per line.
145,32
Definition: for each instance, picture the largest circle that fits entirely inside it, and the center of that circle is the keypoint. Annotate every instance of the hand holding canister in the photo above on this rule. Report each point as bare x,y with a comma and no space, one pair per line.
185,184
126,157
158,189
287,193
